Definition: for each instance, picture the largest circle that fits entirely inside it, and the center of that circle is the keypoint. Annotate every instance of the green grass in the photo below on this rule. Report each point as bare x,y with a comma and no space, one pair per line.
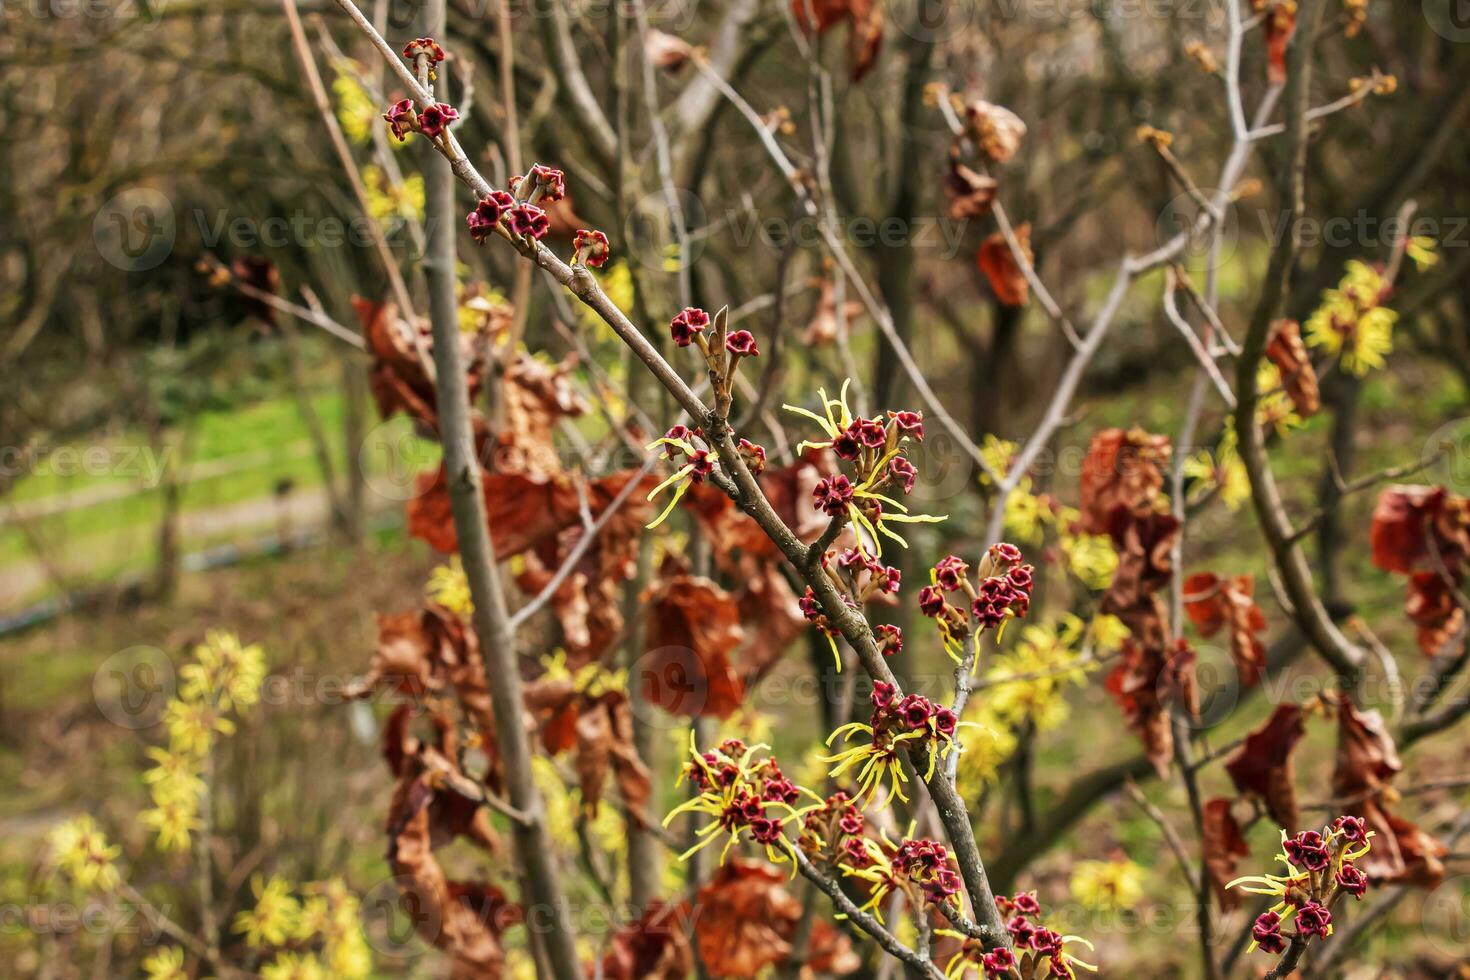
260,445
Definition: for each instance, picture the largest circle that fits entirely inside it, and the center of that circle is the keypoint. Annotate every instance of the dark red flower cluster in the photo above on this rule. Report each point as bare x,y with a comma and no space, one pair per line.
487,213
591,247
741,343
435,119
869,575
425,46
702,459
528,221
832,495
912,713
890,639
687,325
926,864
1006,591
1028,934
1266,931
831,827
1307,850
403,119
546,184
753,454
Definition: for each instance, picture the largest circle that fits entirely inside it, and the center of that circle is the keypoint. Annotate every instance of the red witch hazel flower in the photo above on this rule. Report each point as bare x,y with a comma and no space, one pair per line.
919,869
426,46
811,609
743,794
540,184
753,454
687,325
1321,869
434,121
486,216
678,443
1038,951
741,343
875,447
590,247
1003,593
913,722
528,221
826,830
402,119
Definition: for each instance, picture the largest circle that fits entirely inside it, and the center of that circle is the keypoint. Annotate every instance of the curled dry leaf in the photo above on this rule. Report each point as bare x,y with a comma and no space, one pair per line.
536,397
599,726
1431,605
587,603
605,746
398,378
997,130
1141,684
653,947
822,328
1122,468
970,193
1263,766
1367,762
464,919
1407,518
1001,269
1222,846
666,51
1285,349
748,918
693,628
522,510
1213,603
865,22
1144,541
431,655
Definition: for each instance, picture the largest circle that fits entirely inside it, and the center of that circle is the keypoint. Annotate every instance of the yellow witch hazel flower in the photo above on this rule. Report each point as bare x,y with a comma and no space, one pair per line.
1114,884
1351,323
449,587
742,793
679,442
1274,408
192,726
1221,471
82,852
224,673
294,966
1026,683
1320,870
912,722
388,203
875,448
356,110
272,922
1423,251
174,821
165,964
